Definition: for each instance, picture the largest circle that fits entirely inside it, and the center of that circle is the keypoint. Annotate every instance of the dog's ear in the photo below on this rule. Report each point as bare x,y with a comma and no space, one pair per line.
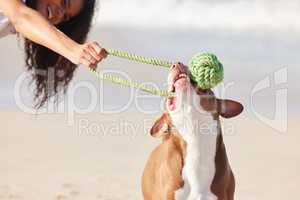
228,108
161,126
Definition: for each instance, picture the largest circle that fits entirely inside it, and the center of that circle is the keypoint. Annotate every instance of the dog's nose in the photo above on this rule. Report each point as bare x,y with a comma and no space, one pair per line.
178,66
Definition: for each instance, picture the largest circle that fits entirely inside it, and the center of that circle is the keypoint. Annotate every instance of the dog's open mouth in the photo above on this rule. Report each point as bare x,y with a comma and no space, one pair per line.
179,84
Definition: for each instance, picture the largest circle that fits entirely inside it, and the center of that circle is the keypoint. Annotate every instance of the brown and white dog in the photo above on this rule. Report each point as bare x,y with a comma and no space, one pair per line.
191,162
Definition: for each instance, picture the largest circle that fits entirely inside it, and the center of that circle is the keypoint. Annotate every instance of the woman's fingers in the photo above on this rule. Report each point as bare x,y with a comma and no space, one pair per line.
98,52
87,60
90,54
103,53
96,47
94,52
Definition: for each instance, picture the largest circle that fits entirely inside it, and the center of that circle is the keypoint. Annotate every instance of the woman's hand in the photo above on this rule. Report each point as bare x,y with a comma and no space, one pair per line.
89,54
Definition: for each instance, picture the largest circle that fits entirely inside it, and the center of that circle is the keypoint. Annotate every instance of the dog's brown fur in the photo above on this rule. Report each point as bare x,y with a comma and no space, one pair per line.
163,172
162,175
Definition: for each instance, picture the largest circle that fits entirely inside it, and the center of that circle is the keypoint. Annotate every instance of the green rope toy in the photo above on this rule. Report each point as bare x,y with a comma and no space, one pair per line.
205,69
132,84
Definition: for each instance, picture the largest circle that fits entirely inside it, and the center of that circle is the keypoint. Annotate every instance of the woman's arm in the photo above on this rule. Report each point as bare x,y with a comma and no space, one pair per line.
32,25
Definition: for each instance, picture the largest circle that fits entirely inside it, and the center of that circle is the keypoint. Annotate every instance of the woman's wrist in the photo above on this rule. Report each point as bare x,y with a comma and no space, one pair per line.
69,48
74,50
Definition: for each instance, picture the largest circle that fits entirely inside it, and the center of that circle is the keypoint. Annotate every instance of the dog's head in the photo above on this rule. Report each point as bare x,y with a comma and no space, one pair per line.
190,104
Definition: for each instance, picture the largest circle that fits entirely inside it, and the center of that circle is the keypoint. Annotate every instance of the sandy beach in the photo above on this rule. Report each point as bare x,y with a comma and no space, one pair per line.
43,158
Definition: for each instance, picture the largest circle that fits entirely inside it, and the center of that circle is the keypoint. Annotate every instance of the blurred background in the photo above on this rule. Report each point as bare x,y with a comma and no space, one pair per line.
53,152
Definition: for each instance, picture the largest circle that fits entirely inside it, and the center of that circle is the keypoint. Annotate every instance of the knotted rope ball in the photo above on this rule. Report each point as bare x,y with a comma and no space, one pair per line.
206,70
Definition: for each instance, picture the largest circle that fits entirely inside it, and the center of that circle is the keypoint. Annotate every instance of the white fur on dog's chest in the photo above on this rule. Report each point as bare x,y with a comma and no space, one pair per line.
200,133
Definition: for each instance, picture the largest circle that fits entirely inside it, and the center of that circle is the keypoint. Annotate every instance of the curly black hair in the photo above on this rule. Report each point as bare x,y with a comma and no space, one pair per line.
51,72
